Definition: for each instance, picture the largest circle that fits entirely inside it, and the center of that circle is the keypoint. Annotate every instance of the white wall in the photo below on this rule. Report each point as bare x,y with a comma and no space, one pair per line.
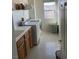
39,10
31,11
39,13
20,1
18,14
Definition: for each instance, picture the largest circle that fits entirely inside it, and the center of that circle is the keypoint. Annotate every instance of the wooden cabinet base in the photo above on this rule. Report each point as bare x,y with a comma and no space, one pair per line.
24,44
21,52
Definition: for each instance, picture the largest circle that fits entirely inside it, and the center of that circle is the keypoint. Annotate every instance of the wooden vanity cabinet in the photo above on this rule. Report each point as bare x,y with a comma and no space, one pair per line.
24,44
21,48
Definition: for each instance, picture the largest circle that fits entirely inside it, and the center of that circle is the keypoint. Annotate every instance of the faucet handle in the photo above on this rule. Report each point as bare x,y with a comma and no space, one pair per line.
22,19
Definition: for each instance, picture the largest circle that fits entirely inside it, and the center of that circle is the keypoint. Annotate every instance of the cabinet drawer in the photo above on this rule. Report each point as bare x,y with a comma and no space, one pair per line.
20,41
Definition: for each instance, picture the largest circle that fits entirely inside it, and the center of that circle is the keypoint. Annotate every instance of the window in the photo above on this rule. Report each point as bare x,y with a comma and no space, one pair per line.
49,10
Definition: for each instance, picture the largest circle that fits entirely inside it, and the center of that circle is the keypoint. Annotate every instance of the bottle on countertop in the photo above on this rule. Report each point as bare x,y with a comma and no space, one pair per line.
21,23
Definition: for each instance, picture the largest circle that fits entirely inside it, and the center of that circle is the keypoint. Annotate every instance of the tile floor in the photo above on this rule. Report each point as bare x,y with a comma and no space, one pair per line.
46,48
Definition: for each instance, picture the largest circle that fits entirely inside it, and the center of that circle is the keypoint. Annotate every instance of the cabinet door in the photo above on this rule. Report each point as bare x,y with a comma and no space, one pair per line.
27,42
21,51
27,39
20,41
30,38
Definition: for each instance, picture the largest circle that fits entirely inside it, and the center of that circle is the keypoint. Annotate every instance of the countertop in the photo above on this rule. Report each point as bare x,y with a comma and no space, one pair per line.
21,31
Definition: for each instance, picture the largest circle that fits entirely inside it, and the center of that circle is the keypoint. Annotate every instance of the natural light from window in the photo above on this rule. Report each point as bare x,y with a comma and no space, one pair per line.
49,10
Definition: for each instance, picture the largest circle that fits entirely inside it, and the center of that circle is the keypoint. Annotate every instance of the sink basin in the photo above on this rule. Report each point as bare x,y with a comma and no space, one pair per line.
34,20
